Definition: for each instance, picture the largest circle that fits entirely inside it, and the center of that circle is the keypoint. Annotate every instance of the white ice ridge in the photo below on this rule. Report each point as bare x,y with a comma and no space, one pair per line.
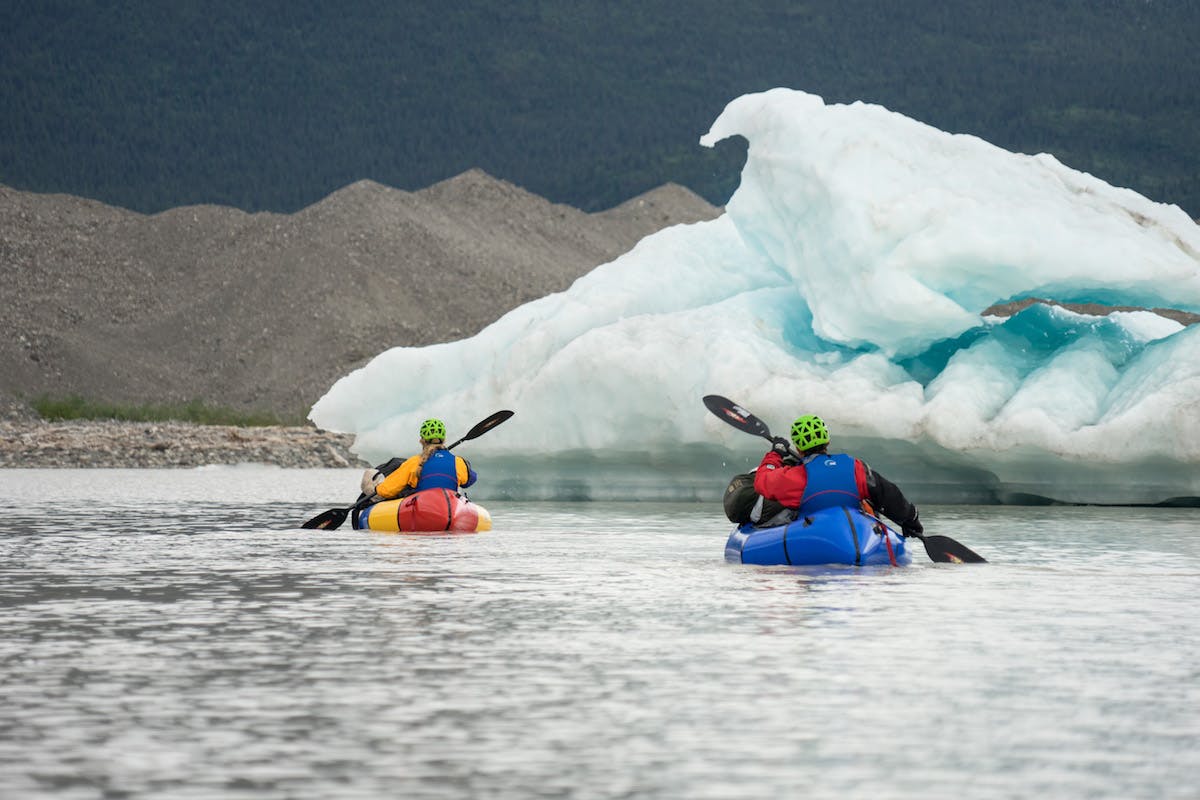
847,278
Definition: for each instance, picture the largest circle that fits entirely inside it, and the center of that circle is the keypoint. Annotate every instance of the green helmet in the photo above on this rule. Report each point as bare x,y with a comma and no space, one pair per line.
808,432
432,429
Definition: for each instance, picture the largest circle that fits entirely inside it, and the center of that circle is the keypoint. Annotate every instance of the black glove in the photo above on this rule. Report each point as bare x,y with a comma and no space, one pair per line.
782,446
913,527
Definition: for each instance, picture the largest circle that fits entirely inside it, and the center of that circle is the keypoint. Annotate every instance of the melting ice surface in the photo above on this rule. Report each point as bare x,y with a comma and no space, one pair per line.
848,278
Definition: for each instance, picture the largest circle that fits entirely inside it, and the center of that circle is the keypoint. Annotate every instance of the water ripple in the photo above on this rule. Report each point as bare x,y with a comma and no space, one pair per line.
596,651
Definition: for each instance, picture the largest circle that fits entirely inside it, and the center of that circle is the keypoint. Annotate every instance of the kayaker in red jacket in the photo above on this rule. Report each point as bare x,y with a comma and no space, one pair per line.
822,480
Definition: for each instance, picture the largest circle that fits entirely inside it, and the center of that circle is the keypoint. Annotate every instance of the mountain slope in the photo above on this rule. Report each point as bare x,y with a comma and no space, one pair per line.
264,311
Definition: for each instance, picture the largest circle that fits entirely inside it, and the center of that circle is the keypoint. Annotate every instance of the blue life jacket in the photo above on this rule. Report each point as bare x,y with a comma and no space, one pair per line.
440,471
831,483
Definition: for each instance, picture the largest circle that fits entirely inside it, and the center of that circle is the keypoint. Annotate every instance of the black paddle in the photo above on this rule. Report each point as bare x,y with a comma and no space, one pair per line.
942,549
737,416
334,517
945,550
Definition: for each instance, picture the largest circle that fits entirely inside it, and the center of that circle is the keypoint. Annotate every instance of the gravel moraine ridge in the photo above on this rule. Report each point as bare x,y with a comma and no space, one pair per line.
264,312
39,444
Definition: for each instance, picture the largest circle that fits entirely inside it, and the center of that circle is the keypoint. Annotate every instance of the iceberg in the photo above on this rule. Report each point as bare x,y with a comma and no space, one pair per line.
849,277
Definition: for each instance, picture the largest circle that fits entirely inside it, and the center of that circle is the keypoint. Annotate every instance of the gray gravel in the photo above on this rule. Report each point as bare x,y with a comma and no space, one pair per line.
263,312
31,444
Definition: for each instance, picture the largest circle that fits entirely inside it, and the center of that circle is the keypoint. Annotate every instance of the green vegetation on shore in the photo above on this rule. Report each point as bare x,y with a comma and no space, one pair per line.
79,408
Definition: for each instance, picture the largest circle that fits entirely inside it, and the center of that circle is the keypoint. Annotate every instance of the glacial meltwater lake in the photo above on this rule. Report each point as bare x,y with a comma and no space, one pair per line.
173,634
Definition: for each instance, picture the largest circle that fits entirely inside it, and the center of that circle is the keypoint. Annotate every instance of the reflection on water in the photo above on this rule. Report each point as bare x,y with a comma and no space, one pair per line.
173,635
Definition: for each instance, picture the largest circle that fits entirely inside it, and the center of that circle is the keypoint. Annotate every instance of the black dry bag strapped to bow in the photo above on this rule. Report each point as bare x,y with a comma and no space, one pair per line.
740,498
740,501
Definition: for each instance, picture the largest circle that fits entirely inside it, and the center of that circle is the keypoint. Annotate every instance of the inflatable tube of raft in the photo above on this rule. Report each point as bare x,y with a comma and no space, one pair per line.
430,511
830,536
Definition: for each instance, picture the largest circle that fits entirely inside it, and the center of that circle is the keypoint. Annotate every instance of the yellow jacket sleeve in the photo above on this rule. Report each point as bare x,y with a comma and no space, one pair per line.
405,476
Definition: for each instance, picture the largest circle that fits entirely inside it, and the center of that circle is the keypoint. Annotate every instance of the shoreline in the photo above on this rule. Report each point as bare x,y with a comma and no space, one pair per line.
38,444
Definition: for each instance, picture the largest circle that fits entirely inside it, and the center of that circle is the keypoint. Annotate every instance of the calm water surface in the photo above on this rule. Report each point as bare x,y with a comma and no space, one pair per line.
171,634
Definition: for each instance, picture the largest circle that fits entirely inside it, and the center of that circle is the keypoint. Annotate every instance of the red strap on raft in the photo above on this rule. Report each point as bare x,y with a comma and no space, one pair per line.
882,530
887,538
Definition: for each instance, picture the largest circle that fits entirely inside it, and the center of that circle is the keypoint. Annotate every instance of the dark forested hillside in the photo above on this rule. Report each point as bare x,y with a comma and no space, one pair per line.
273,105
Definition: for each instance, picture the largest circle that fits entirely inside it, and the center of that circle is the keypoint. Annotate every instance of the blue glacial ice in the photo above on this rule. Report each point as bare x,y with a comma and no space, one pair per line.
848,277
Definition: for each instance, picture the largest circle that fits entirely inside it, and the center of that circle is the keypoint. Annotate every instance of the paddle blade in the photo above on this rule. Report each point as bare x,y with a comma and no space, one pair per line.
328,520
736,415
945,550
483,427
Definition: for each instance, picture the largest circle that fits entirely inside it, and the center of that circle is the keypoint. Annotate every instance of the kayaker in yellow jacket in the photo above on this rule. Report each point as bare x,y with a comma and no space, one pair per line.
434,467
